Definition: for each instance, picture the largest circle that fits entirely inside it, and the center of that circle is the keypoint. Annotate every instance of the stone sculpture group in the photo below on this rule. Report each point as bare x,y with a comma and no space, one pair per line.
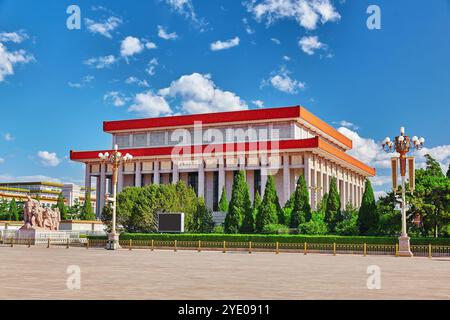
40,218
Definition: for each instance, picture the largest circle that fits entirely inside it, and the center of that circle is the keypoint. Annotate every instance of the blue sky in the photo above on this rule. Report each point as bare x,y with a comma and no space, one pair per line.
157,57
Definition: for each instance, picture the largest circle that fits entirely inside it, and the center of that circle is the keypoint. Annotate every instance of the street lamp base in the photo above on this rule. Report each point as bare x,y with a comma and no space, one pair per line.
113,242
404,248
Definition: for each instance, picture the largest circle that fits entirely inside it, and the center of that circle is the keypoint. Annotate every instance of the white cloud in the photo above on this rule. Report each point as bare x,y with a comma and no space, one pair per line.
275,40
16,37
152,66
199,94
283,82
258,103
347,124
380,180
367,150
440,153
162,33
307,13
48,159
148,104
183,7
115,98
221,45
247,27
101,62
286,58
8,137
8,59
130,46
135,80
150,45
104,28
310,44
84,82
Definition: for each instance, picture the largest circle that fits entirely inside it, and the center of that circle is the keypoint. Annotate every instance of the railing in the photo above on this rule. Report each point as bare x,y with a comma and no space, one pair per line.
250,247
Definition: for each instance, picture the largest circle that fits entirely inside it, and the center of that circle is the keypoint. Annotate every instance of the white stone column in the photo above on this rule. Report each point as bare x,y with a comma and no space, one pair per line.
156,174
264,173
307,172
221,178
138,175
120,179
201,180
87,177
175,173
286,179
102,192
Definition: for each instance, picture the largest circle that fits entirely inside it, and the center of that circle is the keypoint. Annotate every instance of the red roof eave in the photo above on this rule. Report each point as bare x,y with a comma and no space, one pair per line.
312,143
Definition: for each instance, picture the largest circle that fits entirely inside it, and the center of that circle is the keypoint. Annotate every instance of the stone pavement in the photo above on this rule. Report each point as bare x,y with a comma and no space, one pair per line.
40,273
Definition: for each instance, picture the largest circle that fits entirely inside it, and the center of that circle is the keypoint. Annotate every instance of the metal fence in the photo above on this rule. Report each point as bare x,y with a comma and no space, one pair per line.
250,247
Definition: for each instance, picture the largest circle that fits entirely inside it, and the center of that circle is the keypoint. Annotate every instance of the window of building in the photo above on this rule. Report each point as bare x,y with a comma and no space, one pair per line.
123,140
193,181
140,140
157,138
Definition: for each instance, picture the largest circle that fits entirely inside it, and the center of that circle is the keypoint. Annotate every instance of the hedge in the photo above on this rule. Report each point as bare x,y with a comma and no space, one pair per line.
278,238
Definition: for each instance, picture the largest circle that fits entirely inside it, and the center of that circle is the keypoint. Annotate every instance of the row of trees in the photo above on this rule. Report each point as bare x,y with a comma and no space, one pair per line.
430,205
11,211
267,215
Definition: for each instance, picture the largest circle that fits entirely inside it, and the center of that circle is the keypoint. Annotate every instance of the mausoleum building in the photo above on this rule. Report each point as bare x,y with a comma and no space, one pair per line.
205,150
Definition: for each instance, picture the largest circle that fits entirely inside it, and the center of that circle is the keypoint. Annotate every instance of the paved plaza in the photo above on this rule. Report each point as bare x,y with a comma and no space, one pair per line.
40,273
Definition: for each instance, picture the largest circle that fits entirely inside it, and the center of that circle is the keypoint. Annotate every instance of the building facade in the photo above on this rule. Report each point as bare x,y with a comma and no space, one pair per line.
46,192
206,150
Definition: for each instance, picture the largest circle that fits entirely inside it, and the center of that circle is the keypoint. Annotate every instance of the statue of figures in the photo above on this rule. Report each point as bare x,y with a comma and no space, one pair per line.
38,217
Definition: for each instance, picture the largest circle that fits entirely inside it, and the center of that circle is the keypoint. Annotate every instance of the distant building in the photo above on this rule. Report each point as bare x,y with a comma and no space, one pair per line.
46,192
282,142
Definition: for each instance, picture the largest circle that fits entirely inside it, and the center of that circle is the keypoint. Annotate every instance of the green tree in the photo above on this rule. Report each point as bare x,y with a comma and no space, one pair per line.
4,209
62,207
138,207
87,213
223,203
256,203
315,226
270,209
368,215
433,167
448,171
106,217
240,204
13,211
323,203
349,224
333,207
431,199
202,219
389,223
301,211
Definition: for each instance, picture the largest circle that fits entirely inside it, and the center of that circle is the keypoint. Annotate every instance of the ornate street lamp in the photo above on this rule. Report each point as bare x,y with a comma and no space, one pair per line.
116,160
403,145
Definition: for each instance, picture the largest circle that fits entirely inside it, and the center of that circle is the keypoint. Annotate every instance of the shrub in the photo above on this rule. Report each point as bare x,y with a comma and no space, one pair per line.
270,210
202,220
282,238
275,229
333,206
223,203
240,206
218,229
348,226
301,210
315,226
368,215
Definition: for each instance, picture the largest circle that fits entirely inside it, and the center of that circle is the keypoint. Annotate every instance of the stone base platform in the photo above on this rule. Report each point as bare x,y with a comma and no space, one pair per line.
36,236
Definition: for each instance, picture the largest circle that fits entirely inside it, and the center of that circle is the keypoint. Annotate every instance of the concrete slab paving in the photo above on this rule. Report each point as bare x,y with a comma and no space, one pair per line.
41,273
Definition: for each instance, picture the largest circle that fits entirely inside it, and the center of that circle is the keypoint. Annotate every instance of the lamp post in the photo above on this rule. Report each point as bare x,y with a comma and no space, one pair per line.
403,144
116,159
